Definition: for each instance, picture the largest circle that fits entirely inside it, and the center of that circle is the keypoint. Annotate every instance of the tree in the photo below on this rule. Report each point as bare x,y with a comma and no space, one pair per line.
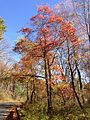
82,11
2,28
49,31
77,11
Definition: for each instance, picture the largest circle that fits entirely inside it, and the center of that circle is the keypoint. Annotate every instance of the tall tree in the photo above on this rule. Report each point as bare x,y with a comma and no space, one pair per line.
49,31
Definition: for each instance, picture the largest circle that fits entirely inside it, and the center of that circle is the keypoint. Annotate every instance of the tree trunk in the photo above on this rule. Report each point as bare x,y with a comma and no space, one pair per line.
50,87
80,82
13,89
47,87
27,91
72,78
32,93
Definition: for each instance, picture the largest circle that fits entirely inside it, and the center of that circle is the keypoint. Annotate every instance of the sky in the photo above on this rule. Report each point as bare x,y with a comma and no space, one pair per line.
17,13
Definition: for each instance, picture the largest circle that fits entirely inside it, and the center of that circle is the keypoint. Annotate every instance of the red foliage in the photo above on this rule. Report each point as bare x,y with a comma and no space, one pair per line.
50,31
66,91
26,30
44,9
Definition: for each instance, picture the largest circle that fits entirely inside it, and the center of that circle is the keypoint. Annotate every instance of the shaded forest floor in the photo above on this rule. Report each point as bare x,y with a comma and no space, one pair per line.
38,111
60,111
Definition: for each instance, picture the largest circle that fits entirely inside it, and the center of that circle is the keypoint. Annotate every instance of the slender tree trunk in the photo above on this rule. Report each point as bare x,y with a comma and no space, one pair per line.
72,78
47,87
50,87
13,89
32,93
80,82
27,91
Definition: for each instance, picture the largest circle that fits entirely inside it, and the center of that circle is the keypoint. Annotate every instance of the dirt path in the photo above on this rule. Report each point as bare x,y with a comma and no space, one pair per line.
5,109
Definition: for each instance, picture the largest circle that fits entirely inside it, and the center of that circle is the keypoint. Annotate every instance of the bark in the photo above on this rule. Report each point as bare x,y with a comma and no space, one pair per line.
80,82
50,87
72,78
13,89
47,87
32,93
27,91
46,78
32,96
